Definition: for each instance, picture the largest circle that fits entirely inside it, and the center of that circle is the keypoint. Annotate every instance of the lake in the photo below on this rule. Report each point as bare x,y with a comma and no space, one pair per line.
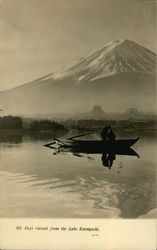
35,183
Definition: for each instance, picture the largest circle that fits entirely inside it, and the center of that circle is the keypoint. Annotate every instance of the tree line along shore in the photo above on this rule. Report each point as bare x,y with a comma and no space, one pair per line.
17,123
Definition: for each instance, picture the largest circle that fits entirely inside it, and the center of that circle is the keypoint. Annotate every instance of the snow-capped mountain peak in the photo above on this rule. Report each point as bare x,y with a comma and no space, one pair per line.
116,57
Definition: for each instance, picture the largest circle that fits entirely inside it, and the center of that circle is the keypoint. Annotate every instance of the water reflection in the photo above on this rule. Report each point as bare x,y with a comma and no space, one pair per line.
9,137
74,187
107,156
16,137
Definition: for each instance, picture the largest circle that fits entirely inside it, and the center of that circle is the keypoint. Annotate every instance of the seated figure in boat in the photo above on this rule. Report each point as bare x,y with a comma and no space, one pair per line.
107,134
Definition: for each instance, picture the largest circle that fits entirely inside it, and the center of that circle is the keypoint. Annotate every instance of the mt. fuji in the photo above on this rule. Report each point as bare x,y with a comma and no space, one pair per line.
118,76
117,57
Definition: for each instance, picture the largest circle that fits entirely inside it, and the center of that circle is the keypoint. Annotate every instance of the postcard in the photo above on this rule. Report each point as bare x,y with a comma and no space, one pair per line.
78,124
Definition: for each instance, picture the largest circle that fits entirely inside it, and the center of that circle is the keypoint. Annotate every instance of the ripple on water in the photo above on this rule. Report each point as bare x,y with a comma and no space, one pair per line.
56,198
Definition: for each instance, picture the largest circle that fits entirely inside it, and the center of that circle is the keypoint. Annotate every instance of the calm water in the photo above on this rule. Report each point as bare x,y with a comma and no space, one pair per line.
36,183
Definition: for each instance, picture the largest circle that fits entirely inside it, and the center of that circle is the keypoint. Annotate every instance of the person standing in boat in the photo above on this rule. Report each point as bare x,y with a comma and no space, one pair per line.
111,136
107,134
104,132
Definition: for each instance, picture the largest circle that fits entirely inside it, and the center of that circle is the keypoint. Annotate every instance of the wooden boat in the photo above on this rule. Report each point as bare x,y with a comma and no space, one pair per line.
94,150
107,150
88,145
123,143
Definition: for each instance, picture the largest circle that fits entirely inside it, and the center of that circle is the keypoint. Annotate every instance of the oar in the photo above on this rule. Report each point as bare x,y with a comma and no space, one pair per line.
71,138
49,144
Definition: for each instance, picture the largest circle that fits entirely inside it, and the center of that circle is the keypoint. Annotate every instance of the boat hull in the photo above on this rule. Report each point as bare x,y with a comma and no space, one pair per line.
99,144
117,151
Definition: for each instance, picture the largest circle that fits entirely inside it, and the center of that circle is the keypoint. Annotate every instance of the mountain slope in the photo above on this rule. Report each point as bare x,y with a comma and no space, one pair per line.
118,76
117,57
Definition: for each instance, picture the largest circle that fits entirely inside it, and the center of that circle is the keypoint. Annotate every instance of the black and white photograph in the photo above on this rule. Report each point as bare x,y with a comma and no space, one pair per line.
78,121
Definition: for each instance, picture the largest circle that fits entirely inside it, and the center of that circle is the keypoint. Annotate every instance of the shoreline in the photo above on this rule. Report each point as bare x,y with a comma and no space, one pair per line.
81,129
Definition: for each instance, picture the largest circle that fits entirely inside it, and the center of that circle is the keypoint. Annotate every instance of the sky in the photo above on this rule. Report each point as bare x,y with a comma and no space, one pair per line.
38,36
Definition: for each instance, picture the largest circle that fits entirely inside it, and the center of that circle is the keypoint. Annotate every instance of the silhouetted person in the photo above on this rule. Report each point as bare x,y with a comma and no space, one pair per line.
108,135
111,136
104,132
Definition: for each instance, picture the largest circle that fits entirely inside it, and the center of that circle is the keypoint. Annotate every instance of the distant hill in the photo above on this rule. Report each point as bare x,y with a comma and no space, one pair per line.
97,112
119,76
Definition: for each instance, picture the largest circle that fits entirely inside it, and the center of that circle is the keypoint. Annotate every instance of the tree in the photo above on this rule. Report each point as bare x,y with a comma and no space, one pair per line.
46,125
10,122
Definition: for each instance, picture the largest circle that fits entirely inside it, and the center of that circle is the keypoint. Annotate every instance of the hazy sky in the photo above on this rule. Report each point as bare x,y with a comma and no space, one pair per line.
39,35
